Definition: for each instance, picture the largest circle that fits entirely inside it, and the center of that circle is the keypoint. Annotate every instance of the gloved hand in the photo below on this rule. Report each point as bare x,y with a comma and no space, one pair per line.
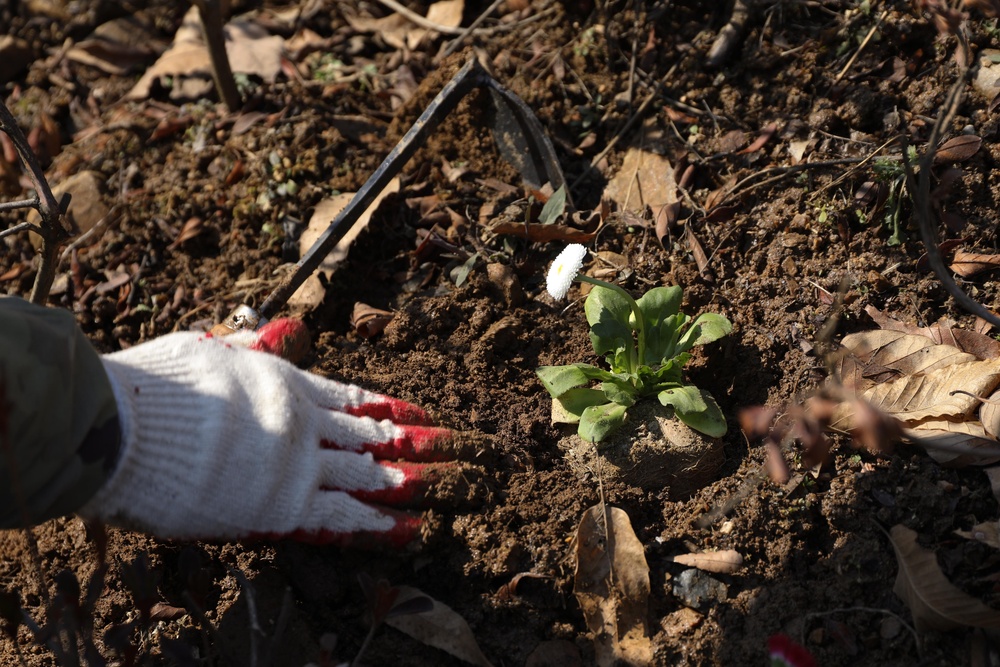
225,442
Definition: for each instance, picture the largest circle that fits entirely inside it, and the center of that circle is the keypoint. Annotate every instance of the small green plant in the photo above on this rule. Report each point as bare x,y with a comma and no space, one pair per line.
893,174
646,343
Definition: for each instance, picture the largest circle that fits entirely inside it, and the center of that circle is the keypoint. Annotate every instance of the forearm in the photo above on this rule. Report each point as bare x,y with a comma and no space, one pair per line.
59,434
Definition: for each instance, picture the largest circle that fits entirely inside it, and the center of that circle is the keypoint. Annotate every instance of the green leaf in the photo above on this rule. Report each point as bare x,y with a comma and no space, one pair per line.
608,313
706,328
621,392
560,379
575,401
696,408
656,306
554,207
598,421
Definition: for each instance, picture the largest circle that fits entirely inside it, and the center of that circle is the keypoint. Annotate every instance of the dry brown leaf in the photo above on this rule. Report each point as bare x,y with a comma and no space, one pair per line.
369,321
399,32
915,398
700,258
192,228
721,562
980,345
86,205
611,584
955,443
934,602
645,179
543,233
250,48
765,135
987,533
968,264
958,149
989,414
441,627
311,293
904,354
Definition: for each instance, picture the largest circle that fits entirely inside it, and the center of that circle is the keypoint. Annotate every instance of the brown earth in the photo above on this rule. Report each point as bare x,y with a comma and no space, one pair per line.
818,564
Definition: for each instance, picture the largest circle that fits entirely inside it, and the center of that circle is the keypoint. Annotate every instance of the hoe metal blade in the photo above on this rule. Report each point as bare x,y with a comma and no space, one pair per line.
519,137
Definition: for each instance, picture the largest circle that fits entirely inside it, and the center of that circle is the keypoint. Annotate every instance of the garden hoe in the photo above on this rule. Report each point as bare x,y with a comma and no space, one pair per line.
519,137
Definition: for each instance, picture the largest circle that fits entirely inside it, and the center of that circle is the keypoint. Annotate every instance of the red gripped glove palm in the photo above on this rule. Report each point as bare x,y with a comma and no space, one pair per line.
222,441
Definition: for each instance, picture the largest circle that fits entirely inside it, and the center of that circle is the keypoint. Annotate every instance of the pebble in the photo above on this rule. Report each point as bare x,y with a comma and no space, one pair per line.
697,590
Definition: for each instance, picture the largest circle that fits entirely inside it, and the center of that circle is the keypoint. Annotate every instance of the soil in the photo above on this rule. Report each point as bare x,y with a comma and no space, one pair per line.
818,564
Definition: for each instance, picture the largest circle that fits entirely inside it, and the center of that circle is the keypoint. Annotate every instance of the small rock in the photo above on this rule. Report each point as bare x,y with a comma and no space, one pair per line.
697,590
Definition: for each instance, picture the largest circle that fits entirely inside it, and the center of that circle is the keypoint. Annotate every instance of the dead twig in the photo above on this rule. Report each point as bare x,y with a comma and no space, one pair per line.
457,42
54,228
861,47
920,189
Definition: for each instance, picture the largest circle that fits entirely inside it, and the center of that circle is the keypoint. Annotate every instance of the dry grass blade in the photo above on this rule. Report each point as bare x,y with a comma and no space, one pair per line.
936,604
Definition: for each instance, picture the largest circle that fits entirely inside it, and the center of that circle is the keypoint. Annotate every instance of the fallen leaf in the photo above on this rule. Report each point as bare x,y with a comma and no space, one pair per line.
86,204
968,264
250,48
958,149
700,258
987,533
645,179
440,627
955,444
720,562
311,293
913,398
400,33
369,321
934,602
761,140
666,219
118,46
977,344
543,233
611,583
192,228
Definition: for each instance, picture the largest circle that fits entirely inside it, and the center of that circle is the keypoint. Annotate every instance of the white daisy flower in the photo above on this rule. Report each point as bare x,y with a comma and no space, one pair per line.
564,270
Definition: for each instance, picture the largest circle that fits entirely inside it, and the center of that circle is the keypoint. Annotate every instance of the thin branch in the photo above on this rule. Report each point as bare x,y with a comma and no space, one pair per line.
455,43
20,203
24,226
54,229
421,21
920,189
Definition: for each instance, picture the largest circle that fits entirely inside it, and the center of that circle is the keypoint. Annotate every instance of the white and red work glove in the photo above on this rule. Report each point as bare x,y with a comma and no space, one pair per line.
222,441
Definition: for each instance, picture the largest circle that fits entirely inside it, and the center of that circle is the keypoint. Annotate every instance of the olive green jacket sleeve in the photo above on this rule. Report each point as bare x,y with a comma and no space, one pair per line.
59,432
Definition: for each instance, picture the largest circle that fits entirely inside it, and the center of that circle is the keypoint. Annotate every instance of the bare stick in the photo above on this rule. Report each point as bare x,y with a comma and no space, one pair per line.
861,47
455,43
211,23
421,21
54,229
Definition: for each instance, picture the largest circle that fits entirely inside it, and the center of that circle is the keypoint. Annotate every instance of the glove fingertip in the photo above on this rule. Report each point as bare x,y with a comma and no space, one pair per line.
287,338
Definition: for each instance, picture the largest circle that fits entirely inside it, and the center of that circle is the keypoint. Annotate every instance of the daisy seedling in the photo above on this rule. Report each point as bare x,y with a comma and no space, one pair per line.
646,343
